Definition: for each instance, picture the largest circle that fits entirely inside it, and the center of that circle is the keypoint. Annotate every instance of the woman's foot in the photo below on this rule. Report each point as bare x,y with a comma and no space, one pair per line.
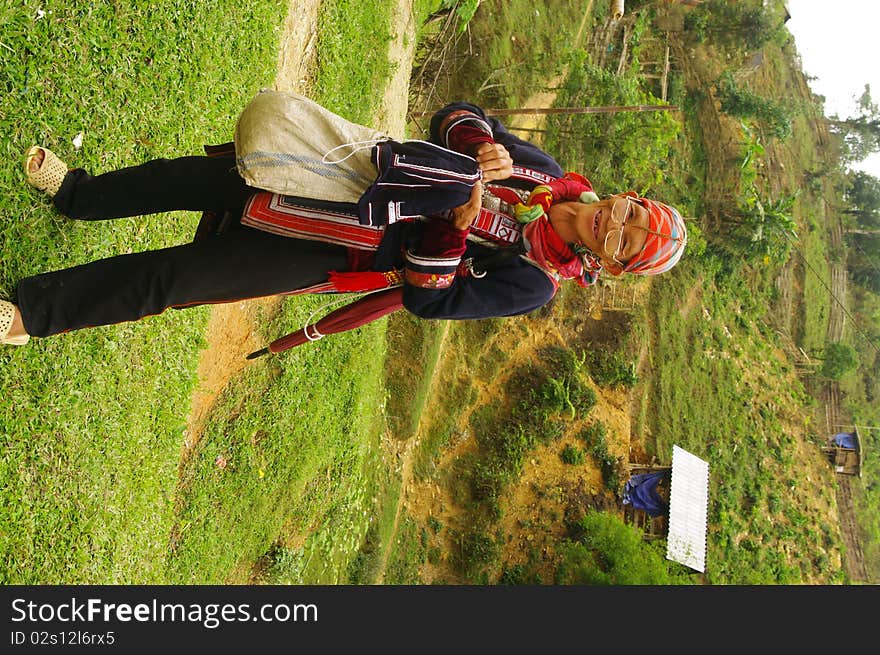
12,330
44,170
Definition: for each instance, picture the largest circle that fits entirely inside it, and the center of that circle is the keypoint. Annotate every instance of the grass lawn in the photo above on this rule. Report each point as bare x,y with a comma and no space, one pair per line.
93,421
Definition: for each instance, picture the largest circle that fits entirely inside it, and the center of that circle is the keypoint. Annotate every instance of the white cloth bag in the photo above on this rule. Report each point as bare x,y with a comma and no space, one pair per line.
288,144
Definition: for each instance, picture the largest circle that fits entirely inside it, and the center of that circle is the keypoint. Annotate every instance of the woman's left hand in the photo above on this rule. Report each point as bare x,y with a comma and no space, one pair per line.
464,215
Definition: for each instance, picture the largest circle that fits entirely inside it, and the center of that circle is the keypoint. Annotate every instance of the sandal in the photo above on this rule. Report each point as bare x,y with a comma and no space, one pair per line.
7,314
49,176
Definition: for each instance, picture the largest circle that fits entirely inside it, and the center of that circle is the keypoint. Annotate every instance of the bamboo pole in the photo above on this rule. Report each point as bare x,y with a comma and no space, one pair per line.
563,110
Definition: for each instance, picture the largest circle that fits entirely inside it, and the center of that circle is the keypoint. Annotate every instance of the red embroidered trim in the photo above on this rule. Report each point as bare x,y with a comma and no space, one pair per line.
394,277
429,280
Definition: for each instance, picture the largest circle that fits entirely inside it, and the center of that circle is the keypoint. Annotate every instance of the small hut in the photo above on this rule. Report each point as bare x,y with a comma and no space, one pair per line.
672,502
844,451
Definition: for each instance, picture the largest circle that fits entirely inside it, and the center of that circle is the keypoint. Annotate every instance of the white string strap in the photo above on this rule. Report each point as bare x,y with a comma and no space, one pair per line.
360,145
315,334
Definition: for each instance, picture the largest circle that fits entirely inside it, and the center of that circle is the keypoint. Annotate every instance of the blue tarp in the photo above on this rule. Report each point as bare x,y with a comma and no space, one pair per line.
640,491
845,440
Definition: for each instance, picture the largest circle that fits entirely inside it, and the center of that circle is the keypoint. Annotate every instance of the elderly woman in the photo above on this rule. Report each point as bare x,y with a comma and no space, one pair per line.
524,226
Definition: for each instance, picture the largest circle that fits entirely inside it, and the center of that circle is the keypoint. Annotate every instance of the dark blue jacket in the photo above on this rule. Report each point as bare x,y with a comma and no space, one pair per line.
516,287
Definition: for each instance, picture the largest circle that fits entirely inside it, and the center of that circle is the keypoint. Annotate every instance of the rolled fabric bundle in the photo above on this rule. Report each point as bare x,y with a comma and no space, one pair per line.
617,9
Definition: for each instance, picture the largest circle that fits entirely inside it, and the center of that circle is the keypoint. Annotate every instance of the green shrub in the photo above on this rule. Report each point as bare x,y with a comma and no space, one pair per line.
593,434
519,575
488,481
735,25
572,455
620,150
535,397
840,359
476,551
611,368
584,401
611,472
564,392
594,439
742,103
609,552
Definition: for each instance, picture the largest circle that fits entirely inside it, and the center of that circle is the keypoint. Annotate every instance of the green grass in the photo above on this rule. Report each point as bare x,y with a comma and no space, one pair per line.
409,374
728,399
323,510
300,437
93,420
813,247
409,552
352,46
366,567
453,394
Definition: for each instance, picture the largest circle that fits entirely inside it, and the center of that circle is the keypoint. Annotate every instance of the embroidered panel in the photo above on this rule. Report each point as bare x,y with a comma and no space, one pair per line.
531,175
283,215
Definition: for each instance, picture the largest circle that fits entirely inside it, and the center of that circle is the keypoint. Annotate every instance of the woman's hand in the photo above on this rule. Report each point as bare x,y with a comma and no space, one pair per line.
494,161
464,215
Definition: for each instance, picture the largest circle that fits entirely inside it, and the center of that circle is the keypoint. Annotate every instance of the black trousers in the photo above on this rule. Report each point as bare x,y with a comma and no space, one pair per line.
240,263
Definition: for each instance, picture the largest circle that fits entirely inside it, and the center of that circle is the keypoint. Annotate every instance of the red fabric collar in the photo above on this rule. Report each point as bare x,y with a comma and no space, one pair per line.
550,252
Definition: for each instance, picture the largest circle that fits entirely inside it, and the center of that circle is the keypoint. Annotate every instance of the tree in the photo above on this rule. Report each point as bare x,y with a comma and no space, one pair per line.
861,133
863,196
742,103
840,359
735,24
760,227
863,260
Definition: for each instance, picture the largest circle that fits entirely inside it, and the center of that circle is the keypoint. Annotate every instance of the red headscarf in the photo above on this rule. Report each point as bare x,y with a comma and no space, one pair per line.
667,237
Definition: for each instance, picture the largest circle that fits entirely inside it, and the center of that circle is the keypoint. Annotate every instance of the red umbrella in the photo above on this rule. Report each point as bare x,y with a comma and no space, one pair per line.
369,308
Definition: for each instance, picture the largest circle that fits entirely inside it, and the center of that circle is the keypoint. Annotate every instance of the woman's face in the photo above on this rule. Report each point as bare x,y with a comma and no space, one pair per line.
614,229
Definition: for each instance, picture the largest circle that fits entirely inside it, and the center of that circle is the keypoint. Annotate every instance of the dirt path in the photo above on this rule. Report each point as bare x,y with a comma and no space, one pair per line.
392,118
231,332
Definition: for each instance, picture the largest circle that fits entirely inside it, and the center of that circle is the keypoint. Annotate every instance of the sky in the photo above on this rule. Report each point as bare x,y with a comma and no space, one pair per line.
839,44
